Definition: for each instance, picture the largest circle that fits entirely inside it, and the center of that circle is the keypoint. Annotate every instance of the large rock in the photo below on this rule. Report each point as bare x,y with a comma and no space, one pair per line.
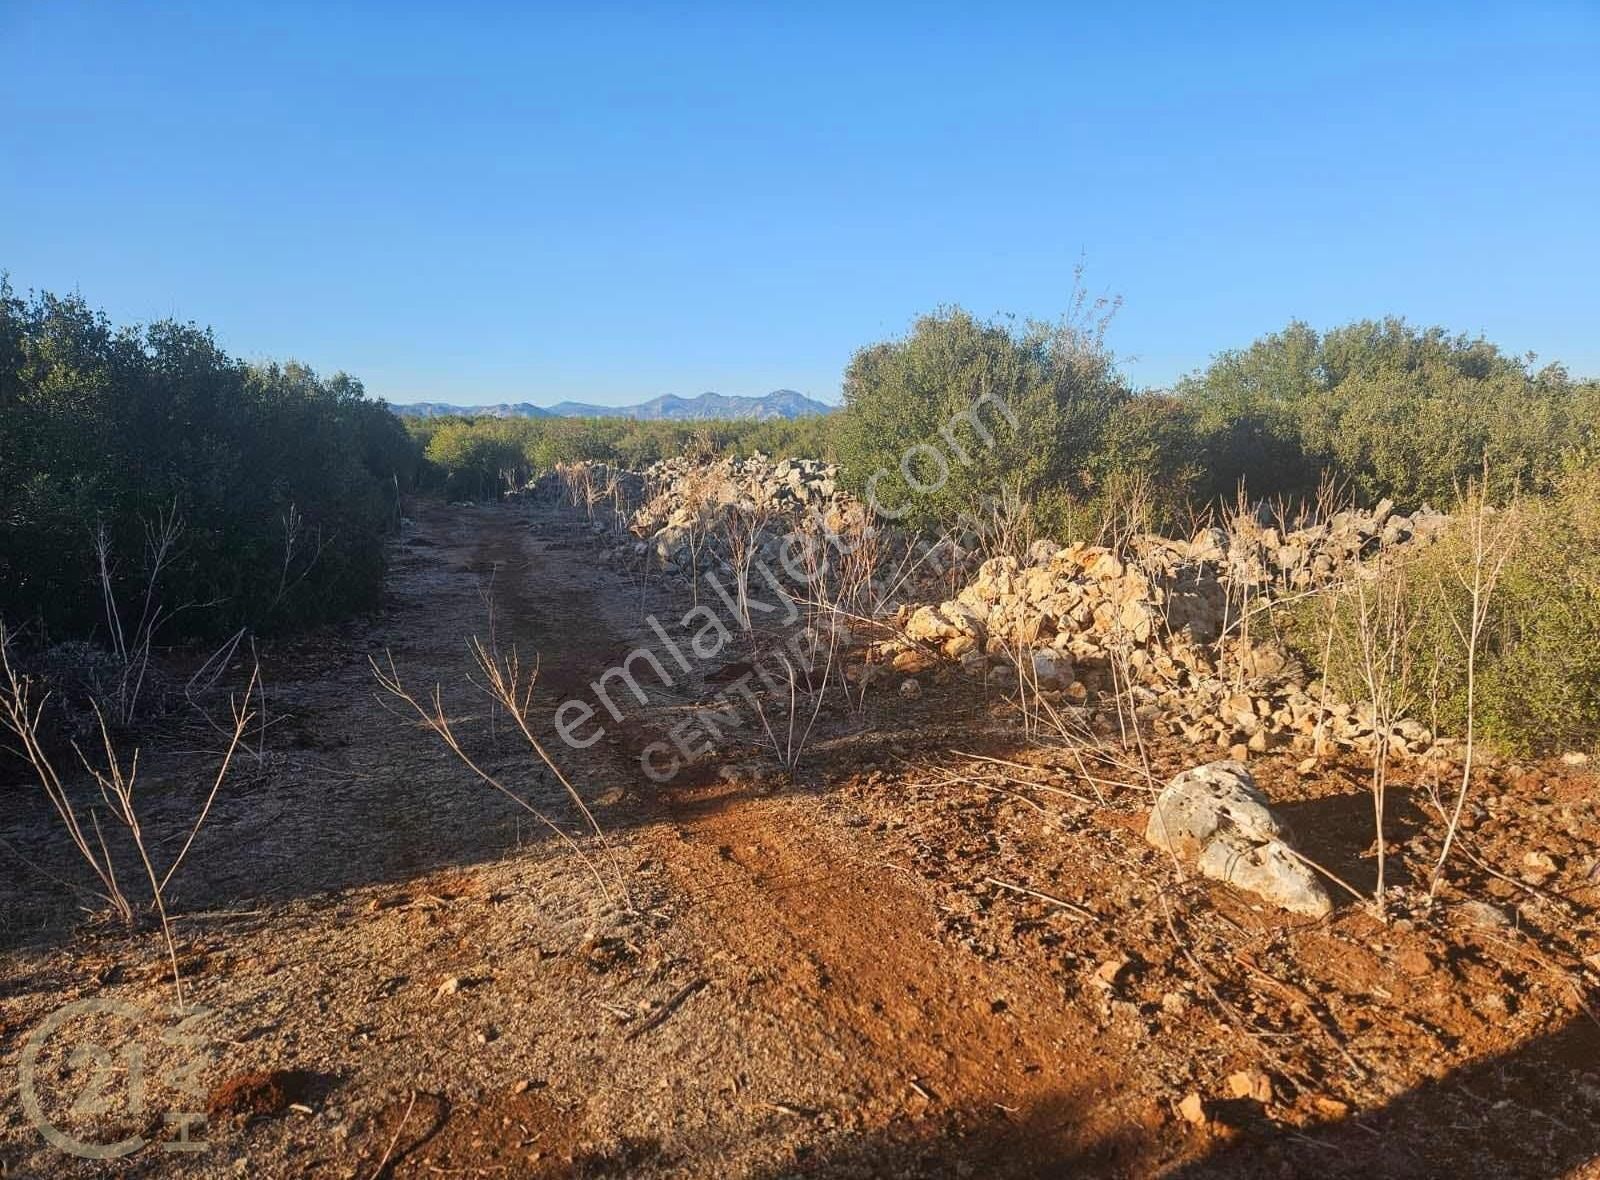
1216,817
1052,669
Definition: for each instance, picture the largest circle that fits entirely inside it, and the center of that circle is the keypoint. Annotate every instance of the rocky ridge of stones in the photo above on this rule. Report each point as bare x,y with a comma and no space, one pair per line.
1160,621
687,501
1157,620
1260,551
680,520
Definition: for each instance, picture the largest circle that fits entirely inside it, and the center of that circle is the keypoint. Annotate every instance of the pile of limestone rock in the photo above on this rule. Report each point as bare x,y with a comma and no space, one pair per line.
683,517
1160,631
692,512
1159,622
1260,551
686,500
756,483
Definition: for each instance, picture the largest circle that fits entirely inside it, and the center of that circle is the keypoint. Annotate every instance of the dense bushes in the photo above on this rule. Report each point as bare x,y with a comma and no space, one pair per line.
1541,687
1382,407
114,427
962,409
1411,414
1538,658
476,458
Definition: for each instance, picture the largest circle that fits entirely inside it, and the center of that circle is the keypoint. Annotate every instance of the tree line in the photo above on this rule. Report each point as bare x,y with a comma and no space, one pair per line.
1382,407
285,481
262,491
479,458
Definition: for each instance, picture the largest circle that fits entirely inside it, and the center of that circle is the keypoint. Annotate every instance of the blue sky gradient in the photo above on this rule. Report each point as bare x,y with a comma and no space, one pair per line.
608,202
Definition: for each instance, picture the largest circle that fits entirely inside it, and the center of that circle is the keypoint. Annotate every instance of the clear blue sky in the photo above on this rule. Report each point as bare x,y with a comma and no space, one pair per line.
608,202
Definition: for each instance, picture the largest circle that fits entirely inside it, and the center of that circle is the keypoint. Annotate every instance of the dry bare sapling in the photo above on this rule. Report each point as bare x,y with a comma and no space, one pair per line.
510,686
116,782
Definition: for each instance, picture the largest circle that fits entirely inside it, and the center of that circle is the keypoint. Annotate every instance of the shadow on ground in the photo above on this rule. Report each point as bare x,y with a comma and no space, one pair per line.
1532,1113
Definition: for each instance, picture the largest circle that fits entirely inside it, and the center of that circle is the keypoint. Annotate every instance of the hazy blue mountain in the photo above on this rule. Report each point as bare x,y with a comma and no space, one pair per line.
780,403
441,409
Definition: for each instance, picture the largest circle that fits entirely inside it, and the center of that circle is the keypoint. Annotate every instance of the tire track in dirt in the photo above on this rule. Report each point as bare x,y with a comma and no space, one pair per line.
905,1039
932,1042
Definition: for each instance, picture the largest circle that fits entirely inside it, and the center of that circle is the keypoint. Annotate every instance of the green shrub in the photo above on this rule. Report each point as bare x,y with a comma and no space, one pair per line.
916,409
1538,673
1394,410
1542,688
480,457
1246,410
112,427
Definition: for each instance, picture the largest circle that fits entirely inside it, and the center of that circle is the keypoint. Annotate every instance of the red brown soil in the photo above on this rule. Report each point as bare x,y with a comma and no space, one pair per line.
842,973
261,1094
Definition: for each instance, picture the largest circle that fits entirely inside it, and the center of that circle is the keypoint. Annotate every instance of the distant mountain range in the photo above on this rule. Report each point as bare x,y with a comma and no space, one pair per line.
780,403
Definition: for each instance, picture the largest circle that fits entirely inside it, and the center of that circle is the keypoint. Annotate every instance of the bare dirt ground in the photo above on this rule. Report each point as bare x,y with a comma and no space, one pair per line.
936,950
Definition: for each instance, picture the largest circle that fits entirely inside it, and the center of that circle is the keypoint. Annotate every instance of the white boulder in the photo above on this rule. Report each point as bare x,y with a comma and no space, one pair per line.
1217,818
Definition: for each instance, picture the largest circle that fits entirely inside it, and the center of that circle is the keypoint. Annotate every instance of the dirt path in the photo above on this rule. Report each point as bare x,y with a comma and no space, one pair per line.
440,976
817,976
830,1002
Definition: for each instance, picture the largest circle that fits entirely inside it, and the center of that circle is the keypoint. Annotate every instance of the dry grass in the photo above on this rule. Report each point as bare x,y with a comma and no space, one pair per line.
116,781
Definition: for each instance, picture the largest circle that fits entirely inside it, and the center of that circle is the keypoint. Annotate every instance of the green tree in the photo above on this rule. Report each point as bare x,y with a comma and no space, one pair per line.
964,408
104,428
1399,411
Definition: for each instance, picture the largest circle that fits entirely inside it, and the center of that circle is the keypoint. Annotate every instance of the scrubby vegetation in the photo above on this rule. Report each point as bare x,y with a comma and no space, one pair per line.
1383,408
963,412
1531,570
476,458
272,485
263,491
961,409
1396,411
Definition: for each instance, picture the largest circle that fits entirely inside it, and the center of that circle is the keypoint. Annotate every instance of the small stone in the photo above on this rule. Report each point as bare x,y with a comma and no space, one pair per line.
1124,1010
1250,1083
1307,768
1193,1110
961,645
449,987
1051,669
912,659
1106,974
1175,1003
1216,815
1574,758
1414,961
1484,915
1538,866
1493,1003
1330,1108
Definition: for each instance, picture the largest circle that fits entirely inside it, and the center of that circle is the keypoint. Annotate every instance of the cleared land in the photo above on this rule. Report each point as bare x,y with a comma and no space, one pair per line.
934,950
